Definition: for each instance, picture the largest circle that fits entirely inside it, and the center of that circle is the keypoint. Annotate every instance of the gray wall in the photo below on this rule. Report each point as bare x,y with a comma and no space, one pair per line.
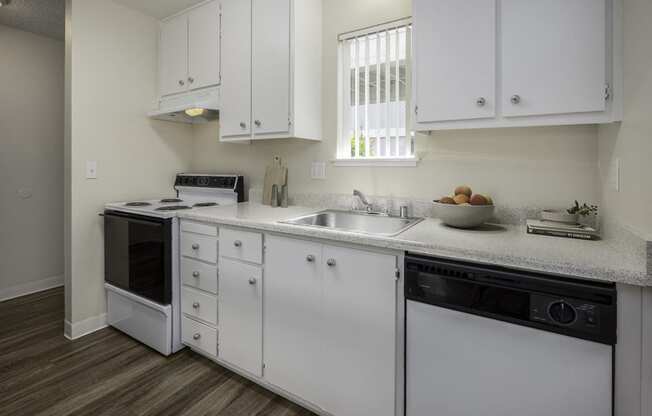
31,161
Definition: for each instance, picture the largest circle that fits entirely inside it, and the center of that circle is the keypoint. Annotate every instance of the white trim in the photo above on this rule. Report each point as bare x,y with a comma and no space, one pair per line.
380,162
370,30
82,328
31,287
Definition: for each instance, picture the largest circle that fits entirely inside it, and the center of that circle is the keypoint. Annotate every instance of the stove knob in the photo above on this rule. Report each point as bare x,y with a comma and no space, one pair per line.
562,312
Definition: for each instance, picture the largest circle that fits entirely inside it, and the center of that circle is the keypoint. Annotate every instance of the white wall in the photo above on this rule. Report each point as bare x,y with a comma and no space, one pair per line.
631,141
518,167
113,71
31,161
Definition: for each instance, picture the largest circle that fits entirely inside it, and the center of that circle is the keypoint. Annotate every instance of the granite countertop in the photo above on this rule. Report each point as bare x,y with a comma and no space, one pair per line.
503,245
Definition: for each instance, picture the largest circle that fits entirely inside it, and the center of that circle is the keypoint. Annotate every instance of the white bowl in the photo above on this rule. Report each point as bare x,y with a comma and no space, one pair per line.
463,216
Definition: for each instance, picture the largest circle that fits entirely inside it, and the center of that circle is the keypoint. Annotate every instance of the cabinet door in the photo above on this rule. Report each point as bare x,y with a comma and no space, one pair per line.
359,332
203,46
240,307
553,56
455,59
271,58
235,112
292,317
173,55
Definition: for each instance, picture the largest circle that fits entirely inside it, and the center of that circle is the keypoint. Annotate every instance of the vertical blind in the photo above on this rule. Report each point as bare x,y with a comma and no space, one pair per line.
375,93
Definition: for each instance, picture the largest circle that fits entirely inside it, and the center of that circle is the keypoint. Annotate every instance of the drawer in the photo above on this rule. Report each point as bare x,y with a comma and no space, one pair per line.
241,245
199,305
198,228
198,335
199,275
200,247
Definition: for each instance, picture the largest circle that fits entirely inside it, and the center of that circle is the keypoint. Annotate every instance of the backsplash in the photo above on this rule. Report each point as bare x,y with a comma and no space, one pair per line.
416,207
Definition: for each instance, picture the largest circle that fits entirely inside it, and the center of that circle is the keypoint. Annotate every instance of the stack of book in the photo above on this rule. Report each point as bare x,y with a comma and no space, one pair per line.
561,229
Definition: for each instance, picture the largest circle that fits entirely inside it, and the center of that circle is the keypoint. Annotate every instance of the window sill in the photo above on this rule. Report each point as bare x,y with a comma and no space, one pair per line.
394,162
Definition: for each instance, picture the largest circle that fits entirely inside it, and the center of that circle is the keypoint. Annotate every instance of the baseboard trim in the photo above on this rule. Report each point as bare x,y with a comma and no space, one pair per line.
82,328
31,287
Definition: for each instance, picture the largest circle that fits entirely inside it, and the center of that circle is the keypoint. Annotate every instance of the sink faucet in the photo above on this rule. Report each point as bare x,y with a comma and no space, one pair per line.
368,206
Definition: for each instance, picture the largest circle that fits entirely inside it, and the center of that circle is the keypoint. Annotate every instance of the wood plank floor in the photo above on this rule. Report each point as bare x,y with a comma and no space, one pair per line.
108,373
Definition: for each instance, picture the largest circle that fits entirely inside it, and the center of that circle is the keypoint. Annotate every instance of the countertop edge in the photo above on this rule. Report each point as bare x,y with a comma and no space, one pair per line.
615,275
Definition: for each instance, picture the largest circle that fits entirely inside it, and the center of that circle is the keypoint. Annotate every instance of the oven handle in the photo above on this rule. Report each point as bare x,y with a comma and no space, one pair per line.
132,219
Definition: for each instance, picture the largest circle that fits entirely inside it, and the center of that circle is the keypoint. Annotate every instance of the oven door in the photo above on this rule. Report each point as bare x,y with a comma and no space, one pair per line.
138,255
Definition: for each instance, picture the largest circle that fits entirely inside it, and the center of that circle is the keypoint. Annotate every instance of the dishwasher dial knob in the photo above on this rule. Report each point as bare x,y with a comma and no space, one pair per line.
562,312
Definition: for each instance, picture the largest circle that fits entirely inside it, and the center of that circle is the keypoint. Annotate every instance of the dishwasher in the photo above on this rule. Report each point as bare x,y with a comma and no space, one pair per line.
490,341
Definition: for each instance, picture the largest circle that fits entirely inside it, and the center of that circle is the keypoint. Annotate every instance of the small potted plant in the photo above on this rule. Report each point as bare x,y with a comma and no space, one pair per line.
571,215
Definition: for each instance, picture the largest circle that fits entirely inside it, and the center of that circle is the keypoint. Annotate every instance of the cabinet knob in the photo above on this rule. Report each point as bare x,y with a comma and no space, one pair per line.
181,82
195,305
243,125
195,274
196,337
516,99
310,258
191,80
252,281
258,123
331,262
237,243
481,101
195,246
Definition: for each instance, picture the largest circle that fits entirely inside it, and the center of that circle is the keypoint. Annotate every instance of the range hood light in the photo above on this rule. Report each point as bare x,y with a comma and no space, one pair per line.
195,112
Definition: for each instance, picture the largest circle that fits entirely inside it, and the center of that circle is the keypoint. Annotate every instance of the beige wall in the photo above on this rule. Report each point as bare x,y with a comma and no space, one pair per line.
113,62
631,141
31,159
518,167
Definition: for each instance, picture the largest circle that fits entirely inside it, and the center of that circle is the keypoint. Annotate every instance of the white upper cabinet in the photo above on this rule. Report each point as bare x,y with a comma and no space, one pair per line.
553,56
235,114
455,57
189,50
203,46
173,52
271,74
271,64
508,63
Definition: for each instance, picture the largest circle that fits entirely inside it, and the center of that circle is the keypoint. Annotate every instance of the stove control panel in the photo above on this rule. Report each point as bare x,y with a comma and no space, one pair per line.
207,181
232,183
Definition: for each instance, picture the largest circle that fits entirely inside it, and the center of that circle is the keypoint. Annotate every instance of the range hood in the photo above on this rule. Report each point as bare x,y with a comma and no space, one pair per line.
195,107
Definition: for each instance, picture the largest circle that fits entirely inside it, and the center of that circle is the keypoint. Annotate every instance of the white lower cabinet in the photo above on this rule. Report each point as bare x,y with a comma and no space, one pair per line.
330,325
240,311
293,293
198,268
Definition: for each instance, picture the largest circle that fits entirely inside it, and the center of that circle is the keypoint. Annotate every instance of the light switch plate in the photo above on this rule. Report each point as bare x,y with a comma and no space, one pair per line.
318,170
91,169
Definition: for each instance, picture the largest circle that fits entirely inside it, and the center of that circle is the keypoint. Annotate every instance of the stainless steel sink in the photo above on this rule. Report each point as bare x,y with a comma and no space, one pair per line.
368,223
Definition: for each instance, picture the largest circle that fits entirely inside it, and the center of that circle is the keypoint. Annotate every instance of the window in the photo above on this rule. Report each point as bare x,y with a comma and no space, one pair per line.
374,83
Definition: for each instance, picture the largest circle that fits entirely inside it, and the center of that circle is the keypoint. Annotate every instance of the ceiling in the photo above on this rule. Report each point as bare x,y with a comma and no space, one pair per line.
43,17
159,8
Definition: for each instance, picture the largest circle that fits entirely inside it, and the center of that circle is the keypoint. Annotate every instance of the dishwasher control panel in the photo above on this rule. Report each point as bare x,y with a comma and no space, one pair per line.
568,306
564,312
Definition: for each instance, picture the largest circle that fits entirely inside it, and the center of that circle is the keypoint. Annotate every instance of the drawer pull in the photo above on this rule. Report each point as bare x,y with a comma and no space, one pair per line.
195,246
252,281
196,337
331,262
195,274
195,305
237,243
310,258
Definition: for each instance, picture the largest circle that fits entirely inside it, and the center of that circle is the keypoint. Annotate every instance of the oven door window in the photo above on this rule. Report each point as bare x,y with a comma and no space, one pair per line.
137,256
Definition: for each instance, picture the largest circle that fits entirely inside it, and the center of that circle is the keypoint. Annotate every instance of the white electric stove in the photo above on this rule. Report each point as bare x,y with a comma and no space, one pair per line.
142,257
